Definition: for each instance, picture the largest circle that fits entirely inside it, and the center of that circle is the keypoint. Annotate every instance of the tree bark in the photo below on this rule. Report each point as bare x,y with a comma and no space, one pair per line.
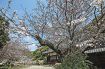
47,43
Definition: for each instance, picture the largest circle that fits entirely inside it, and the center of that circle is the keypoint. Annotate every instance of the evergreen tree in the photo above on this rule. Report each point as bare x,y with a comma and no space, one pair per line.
74,60
3,31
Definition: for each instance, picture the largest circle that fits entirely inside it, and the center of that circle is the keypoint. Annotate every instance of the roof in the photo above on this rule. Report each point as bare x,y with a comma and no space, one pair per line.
89,47
95,50
48,51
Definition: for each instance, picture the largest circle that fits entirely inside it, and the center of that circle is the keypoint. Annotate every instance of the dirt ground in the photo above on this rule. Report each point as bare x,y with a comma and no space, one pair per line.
38,67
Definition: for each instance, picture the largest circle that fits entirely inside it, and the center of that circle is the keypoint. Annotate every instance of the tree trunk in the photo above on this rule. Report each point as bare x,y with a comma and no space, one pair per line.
47,43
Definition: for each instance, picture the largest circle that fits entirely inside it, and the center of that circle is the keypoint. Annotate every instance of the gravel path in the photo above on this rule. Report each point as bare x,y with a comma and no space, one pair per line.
38,67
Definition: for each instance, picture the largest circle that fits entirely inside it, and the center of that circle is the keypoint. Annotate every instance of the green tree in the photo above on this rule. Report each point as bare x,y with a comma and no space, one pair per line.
3,31
37,54
74,60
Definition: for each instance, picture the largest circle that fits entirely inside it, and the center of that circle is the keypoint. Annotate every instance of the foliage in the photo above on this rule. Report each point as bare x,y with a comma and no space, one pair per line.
37,54
74,60
3,32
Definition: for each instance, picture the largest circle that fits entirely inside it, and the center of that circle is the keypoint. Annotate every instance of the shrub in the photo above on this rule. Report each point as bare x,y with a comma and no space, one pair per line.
74,60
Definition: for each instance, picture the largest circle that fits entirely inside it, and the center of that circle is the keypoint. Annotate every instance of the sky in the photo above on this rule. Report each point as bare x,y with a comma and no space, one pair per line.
19,6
